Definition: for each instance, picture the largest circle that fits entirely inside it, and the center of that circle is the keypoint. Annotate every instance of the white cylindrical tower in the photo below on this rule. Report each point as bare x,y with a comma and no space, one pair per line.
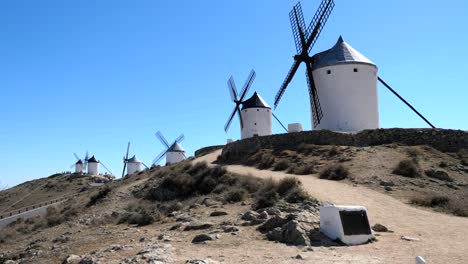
79,168
133,165
93,166
175,154
346,83
256,117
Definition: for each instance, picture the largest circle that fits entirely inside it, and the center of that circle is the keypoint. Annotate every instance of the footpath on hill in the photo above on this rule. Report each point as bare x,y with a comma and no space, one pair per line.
441,238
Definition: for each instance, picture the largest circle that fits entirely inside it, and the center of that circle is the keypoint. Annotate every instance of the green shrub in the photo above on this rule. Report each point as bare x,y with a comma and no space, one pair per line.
266,198
286,184
235,195
297,195
407,168
334,172
302,169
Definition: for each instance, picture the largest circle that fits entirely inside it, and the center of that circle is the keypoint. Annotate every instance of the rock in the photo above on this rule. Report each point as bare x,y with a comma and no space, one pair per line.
229,229
257,222
185,218
388,188
157,254
72,259
88,260
10,262
379,228
275,221
176,226
209,202
250,216
295,233
263,215
201,261
198,226
275,235
407,238
273,211
202,238
385,183
299,256
164,237
218,213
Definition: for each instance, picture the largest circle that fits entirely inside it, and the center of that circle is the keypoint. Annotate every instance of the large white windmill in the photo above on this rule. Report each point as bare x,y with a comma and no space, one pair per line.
81,164
255,114
133,164
174,152
93,166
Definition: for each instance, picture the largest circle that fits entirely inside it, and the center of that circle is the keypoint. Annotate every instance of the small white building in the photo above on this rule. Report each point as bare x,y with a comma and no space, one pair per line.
295,127
346,83
133,165
79,167
349,224
256,117
93,166
175,154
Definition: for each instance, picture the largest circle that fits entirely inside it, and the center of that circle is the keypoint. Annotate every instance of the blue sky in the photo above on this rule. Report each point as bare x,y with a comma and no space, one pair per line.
93,75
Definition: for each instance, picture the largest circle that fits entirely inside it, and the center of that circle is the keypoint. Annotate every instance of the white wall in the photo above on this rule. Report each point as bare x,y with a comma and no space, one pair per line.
79,168
133,167
174,157
348,99
257,121
93,168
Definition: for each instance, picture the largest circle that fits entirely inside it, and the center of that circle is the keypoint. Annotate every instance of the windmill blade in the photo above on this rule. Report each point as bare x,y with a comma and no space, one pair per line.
160,156
240,117
128,148
288,79
76,156
298,26
277,119
86,161
317,23
247,85
228,123
73,165
125,166
162,139
404,101
106,168
232,89
145,165
180,138
314,99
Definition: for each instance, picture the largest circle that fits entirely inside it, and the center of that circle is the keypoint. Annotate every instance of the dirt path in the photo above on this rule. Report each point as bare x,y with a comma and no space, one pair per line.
442,238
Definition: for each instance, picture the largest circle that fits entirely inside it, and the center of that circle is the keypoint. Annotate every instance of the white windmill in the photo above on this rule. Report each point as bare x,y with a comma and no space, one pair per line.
133,164
174,153
93,166
255,114
81,164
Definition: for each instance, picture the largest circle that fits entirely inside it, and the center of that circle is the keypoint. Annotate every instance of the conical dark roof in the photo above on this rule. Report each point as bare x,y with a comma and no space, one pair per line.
176,147
79,162
134,159
341,53
93,159
255,102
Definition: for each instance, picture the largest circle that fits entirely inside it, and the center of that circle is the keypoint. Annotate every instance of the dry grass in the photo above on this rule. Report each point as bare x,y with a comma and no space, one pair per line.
438,174
336,172
407,168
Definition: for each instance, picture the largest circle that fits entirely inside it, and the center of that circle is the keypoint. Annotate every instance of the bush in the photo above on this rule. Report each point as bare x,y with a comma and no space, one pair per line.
266,198
335,172
297,195
250,183
333,151
407,168
266,161
287,184
437,174
303,169
197,168
235,195
431,201
101,194
413,153
443,164
281,165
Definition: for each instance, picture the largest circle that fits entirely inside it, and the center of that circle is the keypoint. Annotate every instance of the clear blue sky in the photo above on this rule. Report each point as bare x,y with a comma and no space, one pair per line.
93,75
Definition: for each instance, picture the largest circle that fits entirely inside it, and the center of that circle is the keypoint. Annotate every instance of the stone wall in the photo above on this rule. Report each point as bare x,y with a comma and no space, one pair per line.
445,140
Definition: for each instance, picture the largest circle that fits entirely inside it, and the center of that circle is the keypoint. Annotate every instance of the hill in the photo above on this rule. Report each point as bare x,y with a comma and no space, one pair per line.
224,205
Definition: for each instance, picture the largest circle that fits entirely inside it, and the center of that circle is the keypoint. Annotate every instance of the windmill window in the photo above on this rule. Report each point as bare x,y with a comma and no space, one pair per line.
258,110
255,123
355,70
328,71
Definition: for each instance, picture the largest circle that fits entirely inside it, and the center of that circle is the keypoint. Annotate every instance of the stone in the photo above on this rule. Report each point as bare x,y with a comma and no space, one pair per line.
10,262
388,188
276,234
218,213
250,216
273,211
299,256
407,238
175,227
202,238
87,260
385,183
198,226
230,229
72,259
275,221
295,233
379,228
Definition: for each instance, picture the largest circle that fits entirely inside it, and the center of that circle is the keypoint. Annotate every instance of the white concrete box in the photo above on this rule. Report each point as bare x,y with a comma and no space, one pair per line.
295,127
349,224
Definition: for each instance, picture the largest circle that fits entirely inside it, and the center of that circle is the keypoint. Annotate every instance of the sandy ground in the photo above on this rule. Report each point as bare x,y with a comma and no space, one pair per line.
442,238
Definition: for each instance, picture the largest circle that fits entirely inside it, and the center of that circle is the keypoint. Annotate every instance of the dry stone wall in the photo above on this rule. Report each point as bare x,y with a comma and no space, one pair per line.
445,140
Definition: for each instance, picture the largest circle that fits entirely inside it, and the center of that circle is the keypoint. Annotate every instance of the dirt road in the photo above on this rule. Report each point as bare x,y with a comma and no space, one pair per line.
442,238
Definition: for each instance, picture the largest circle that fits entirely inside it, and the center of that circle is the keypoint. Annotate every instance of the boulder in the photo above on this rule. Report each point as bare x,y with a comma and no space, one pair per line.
72,259
198,226
379,228
274,222
295,233
218,213
202,238
250,216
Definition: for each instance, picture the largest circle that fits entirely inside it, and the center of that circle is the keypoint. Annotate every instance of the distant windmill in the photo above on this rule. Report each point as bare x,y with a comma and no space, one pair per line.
305,39
255,115
93,166
134,164
174,153
81,164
